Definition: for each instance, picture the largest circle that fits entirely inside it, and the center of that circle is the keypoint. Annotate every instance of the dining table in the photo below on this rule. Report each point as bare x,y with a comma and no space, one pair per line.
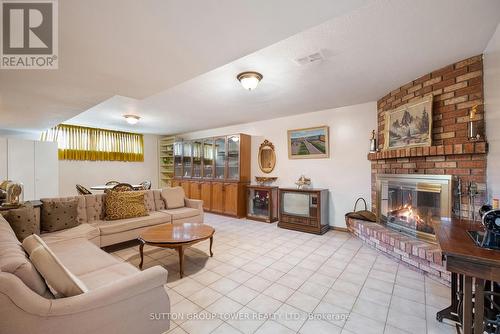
107,187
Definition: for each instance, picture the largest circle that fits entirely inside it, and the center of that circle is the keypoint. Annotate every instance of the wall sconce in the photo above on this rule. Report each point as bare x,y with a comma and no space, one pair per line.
373,143
472,129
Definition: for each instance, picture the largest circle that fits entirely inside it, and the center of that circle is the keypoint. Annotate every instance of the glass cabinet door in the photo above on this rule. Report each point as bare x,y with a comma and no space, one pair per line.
197,155
233,157
178,158
187,159
258,203
208,158
220,157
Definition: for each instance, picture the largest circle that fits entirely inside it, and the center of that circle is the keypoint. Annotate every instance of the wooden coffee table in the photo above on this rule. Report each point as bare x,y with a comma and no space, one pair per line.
176,236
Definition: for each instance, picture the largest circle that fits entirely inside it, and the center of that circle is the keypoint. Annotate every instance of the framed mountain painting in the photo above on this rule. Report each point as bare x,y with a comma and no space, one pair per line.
409,125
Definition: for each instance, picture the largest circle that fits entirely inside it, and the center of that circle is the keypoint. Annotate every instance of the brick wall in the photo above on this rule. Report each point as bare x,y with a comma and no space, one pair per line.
456,88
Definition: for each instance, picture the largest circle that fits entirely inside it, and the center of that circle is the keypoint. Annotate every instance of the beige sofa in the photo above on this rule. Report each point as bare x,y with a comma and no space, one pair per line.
91,213
121,299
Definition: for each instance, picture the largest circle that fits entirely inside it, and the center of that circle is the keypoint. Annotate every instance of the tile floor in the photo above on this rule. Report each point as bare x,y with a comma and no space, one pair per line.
308,283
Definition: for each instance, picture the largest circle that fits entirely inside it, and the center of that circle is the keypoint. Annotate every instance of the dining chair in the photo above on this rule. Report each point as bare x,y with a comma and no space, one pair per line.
123,187
82,190
146,185
112,183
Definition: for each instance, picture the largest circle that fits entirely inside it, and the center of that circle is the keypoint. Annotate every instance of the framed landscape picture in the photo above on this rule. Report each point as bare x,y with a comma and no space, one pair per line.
309,143
409,125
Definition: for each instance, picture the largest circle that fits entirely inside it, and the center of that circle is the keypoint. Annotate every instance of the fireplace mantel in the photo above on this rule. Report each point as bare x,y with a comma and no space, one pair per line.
480,147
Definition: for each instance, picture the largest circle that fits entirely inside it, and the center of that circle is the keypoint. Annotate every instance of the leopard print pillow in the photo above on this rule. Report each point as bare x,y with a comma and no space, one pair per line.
122,205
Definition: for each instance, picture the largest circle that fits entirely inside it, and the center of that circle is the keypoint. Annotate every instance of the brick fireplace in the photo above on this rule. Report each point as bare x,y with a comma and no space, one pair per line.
456,88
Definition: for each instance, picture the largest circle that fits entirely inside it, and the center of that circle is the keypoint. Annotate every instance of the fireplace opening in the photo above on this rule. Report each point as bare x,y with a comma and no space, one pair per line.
411,203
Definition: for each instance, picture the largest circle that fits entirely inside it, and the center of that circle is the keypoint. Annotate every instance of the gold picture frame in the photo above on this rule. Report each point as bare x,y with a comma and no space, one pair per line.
309,143
409,125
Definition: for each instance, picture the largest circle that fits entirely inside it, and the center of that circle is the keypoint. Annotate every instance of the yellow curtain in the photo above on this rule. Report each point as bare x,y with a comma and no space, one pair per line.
82,143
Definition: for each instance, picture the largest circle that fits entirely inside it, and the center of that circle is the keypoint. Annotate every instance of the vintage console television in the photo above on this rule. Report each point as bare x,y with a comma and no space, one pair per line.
304,210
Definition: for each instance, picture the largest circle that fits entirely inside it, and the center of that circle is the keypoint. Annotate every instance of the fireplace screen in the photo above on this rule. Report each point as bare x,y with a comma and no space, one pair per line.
410,203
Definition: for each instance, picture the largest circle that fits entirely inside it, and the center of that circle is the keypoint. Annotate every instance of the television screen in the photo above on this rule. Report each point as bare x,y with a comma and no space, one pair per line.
296,204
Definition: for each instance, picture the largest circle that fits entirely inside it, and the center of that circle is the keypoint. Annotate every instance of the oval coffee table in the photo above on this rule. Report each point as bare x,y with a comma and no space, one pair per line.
176,236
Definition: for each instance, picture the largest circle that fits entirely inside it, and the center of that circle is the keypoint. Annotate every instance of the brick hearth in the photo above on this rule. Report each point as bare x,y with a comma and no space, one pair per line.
419,255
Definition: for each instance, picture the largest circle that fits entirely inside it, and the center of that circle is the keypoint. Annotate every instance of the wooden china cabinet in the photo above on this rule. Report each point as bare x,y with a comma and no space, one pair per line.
215,170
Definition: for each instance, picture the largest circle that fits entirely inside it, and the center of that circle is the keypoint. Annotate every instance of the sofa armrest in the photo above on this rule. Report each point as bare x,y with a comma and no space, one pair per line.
194,203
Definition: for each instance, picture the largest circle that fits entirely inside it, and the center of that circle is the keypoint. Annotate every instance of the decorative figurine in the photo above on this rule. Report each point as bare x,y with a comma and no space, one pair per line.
472,131
303,182
373,143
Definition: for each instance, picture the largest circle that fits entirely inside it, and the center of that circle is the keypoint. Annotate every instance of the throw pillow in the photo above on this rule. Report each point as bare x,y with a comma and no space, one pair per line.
52,270
173,197
59,215
127,204
23,221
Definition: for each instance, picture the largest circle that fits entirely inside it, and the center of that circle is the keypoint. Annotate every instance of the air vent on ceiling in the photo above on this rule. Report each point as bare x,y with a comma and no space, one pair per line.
311,58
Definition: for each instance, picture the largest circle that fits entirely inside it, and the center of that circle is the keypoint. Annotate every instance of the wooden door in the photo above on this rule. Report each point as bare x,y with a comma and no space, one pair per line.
206,195
231,199
218,197
186,186
195,190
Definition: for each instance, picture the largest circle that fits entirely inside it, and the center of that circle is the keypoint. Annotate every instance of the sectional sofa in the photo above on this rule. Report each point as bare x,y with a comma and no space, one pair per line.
120,298
91,213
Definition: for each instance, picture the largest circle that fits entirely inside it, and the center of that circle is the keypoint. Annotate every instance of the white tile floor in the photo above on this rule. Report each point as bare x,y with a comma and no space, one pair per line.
310,284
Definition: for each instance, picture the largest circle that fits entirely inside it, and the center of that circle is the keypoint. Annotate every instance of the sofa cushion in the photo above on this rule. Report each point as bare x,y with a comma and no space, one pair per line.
127,204
82,257
81,212
23,221
122,225
57,276
159,202
181,213
14,260
173,197
60,215
95,207
107,275
86,231
149,200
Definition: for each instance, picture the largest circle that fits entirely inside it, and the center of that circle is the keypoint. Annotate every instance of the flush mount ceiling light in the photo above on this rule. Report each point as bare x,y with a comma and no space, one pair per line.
132,119
249,80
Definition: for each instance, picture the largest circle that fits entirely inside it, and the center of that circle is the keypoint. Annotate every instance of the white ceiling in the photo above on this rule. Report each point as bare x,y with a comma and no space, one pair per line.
370,48
138,48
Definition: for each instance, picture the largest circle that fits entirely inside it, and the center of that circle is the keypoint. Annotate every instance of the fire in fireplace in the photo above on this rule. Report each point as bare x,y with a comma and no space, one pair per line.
411,203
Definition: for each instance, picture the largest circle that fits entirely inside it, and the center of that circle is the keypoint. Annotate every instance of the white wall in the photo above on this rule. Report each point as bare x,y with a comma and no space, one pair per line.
89,173
492,111
346,173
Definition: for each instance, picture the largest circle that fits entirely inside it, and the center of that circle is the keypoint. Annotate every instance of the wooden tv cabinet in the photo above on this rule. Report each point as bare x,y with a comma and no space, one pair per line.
317,220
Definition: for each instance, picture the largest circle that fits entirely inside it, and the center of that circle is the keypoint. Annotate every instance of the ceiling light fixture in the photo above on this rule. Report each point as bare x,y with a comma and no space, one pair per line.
132,119
249,80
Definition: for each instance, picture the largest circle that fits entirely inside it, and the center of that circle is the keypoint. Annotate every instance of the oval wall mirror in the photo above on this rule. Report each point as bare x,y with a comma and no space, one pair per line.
267,157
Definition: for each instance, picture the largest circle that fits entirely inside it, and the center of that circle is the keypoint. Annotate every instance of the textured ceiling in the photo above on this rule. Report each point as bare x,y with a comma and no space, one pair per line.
370,47
138,48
